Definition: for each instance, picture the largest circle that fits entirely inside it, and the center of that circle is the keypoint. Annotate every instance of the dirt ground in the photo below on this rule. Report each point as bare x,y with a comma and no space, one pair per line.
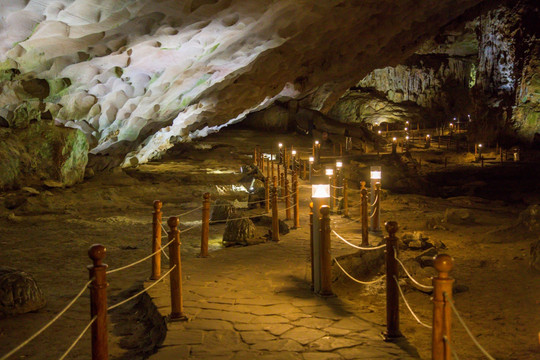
48,235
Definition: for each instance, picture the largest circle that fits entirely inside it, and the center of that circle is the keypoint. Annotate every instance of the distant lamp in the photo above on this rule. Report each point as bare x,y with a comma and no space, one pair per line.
407,137
329,172
379,132
311,159
316,142
469,116
407,122
280,145
394,139
428,136
406,129
294,152
480,146
320,191
376,173
451,124
339,164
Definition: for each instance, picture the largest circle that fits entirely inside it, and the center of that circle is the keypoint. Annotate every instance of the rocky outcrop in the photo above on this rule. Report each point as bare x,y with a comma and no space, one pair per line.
19,293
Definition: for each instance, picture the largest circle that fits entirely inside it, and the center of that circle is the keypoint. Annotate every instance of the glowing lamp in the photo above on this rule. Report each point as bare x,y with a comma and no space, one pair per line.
316,142
375,173
280,145
480,145
329,172
319,191
407,138
311,159
451,124
407,122
339,164
428,136
294,152
379,132
406,129
394,139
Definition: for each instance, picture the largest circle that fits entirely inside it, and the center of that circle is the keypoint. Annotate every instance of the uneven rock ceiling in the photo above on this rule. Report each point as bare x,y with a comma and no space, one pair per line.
147,73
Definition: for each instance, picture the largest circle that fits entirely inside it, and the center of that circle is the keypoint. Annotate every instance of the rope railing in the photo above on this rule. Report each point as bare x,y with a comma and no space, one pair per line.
356,280
375,201
426,287
356,246
409,306
52,321
142,291
473,338
141,260
189,211
78,338
449,343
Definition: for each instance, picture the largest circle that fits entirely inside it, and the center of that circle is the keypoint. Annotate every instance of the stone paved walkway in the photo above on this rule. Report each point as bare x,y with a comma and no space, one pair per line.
255,303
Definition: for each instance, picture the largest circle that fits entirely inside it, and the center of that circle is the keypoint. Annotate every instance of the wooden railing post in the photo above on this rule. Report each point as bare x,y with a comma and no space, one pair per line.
177,303
392,294
345,199
304,175
296,200
255,156
267,195
275,219
156,240
442,312
334,181
287,200
365,216
98,301
205,225
375,220
311,244
326,257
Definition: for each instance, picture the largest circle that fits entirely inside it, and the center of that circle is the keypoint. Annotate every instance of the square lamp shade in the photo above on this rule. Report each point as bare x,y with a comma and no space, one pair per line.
339,164
311,159
329,172
320,191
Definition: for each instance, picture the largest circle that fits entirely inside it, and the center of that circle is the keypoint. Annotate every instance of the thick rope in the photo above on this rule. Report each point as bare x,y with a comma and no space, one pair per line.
78,338
140,292
409,307
356,280
372,215
427,287
448,342
375,202
356,246
189,212
141,260
467,328
49,323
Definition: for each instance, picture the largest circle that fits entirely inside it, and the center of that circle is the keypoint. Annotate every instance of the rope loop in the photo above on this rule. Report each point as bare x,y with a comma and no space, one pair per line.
409,307
356,246
356,280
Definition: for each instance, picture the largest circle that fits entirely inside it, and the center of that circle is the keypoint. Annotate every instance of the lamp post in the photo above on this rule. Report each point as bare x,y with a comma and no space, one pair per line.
339,176
317,152
376,178
428,141
320,195
394,145
293,152
280,155
330,173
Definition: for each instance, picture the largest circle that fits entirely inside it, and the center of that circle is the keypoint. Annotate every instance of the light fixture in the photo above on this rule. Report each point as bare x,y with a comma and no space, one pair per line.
316,142
294,152
376,173
428,136
379,132
407,122
280,145
406,129
339,164
451,124
394,139
311,159
329,172
479,145
407,137
320,191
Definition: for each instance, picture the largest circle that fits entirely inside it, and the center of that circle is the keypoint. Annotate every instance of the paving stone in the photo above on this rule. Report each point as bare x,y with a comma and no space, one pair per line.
261,301
313,322
271,319
248,327
366,353
252,337
185,337
226,315
295,316
320,356
262,355
323,311
303,335
279,309
172,352
277,329
205,324
219,342
278,345
329,343
351,323
332,331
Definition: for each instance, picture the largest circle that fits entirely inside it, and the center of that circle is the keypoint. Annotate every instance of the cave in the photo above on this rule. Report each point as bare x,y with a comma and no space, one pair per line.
269,179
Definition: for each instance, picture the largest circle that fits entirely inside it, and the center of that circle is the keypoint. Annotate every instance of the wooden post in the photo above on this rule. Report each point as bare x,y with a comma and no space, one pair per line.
255,156
501,153
340,149
296,200
364,216
375,222
177,302
205,225
98,301
305,169
275,219
156,240
267,195
334,191
267,168
311,244
282,185
279,174
392,294
442,311
345,199
272,170
287,200
326,257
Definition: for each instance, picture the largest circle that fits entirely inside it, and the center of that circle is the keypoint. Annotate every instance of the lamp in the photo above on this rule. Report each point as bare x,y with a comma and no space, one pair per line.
339,164
320,195
294,152
376,177
329,172
394,139
280,145
379,132
376,173
320,191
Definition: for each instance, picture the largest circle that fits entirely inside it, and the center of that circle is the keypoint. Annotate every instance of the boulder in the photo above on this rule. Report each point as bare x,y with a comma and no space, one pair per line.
221,211
267,221
19,293
459,216
240,232
534,261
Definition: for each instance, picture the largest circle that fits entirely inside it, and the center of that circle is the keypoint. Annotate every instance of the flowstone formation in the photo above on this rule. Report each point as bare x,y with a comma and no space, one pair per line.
143,75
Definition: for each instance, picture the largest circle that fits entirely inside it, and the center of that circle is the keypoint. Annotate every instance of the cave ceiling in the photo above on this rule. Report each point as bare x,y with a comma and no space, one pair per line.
138,75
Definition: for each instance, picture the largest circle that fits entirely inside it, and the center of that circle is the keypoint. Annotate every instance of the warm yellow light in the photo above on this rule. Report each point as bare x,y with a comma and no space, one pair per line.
379,132
406,137
394,139
406,129
339,164
329,172
311,159
479,145
280,145
428,136
294,152
376,175
316,142
320,191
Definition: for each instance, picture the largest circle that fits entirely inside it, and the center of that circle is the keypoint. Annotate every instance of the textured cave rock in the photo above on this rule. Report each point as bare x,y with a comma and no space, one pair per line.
142,75
19,293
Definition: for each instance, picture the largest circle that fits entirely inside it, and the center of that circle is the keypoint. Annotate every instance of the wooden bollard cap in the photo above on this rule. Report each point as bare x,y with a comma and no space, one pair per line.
206,196
97,253
157,205
362,183
173,222
311,206
325,210
392,227
443,263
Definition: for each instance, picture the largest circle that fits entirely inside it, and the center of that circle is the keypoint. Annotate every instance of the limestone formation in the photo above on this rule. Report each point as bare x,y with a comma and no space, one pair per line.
240,232
221,211
19,293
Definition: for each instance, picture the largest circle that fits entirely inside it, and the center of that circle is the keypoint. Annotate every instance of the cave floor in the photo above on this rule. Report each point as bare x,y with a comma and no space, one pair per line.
253,301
